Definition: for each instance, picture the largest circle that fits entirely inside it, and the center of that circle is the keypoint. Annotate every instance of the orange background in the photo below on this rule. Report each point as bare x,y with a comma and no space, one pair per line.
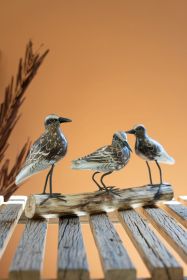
112,64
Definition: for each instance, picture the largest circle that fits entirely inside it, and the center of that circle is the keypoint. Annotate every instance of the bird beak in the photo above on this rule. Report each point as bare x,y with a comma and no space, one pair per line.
62,120
132,131
128,146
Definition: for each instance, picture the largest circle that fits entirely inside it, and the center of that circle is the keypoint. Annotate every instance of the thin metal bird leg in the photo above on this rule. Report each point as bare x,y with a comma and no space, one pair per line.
149,170
109,189
102,177
50,180
55,195
157,195
160,171
51,194
100,188
46,181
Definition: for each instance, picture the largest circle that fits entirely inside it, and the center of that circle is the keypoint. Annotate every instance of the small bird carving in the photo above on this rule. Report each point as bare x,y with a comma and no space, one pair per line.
150,150
46,152
106,159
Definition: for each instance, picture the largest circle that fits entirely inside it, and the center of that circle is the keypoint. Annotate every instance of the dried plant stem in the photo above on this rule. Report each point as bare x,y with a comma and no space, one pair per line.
9,115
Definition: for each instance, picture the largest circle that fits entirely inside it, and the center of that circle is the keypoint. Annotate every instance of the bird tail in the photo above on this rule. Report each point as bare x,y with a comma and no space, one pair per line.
83,164
166,159
78,164
27,172
23,175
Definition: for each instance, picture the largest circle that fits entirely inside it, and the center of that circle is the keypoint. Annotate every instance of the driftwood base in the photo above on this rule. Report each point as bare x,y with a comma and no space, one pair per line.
97,202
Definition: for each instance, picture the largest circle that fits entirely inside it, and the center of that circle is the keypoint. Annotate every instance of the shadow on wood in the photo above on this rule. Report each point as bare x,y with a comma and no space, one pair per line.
97,202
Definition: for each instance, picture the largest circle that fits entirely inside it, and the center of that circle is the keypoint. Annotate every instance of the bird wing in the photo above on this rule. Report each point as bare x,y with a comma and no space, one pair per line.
160,154
39,150
152,148
105,154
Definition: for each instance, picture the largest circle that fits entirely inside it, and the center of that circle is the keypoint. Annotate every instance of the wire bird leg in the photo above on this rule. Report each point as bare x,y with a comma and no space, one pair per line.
51,194
157,195
93,178
160,171
149,170
46,181
109,189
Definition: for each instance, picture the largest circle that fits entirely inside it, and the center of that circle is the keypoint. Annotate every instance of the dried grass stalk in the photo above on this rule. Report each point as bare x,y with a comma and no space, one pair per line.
9,115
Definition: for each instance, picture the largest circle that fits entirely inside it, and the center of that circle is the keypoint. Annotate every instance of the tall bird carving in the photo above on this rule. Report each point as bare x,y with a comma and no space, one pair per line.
150,150
106,159
46,152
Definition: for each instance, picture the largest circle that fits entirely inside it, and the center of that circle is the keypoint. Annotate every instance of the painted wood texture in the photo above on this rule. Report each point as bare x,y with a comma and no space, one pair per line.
72,261
82,204
28,260
114,257
161,264
169,228
9,215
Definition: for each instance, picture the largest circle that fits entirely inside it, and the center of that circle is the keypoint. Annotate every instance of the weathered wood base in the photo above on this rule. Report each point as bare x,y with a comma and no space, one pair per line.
97,202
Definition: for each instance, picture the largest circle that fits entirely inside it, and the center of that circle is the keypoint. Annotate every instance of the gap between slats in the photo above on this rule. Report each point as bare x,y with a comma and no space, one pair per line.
142,270
96,271
50,255
9,216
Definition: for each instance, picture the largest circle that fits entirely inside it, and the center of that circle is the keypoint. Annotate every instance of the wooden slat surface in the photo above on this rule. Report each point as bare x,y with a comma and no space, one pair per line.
28,259
169,228
161,264
178,211
114,258
72,261
9,215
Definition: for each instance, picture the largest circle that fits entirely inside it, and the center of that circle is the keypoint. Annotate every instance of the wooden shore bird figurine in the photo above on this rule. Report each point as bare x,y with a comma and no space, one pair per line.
106,159
46,152
150,150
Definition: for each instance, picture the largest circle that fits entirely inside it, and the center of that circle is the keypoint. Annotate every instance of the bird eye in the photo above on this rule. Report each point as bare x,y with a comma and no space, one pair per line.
140,128
50,121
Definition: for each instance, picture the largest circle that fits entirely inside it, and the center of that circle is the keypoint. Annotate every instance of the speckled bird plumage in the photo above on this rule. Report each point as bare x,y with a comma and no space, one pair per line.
149,149
46,150
108,158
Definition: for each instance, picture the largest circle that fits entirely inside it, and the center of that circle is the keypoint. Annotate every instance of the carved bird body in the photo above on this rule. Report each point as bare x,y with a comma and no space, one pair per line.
46,150
150,150
106,159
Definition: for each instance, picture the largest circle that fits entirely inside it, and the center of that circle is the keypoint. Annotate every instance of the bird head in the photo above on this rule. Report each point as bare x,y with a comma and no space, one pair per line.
138,130
55,120
120,137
